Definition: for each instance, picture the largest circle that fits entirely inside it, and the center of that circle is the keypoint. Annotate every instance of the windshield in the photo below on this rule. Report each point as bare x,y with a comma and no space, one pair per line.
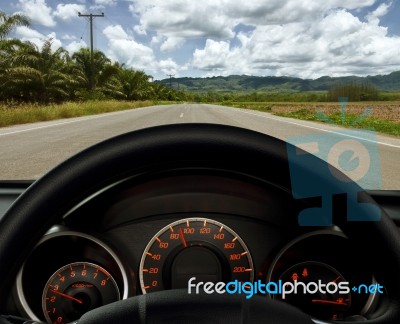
324,75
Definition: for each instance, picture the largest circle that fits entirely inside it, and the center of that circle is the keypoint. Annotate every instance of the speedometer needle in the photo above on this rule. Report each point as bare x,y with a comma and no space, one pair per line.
67,296
182,237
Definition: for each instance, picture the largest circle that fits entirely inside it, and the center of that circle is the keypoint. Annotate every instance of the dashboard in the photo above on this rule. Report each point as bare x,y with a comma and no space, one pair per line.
147,234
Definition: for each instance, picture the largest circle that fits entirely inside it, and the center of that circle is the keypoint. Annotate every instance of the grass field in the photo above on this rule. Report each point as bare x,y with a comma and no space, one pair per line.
22,114
379,116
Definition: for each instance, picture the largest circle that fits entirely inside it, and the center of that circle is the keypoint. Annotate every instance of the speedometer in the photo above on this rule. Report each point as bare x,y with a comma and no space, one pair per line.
194,247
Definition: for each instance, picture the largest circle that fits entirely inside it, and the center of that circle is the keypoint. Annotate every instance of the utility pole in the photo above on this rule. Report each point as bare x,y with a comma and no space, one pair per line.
91,17
170,79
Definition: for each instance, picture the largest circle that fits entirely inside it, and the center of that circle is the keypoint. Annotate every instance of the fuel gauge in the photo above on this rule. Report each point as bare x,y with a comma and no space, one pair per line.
321,292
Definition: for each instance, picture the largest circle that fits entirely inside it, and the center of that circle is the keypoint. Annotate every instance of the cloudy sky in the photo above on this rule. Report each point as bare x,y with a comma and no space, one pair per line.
307,38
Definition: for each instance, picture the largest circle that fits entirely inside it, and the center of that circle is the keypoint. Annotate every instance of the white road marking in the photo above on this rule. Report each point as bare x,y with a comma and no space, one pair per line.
38,127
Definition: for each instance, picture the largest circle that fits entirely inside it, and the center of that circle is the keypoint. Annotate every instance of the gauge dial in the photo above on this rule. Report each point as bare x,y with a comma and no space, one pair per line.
75,289
326,306
194,247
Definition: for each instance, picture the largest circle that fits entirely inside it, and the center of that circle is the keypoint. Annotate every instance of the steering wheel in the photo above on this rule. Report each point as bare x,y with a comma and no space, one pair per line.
178,146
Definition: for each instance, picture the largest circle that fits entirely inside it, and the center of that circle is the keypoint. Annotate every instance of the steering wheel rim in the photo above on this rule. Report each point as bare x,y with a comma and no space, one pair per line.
44,203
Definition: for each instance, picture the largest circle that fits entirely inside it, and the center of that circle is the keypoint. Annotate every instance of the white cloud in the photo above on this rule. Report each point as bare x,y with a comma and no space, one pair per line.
169,66
38,11
126,50
68,11
171,43
217,19
214,57
68,37
116,33
176,20
75,46
102,4
105,2
156,40
55,42
337,44
25,33
307,38
379,12
139,30
33,36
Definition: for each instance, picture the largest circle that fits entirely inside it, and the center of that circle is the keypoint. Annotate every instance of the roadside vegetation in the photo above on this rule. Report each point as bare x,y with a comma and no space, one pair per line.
351,121
30,113
378,116
364,108
374,115
45,75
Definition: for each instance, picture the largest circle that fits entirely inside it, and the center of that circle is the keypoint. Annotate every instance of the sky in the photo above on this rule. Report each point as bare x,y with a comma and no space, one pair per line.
307,39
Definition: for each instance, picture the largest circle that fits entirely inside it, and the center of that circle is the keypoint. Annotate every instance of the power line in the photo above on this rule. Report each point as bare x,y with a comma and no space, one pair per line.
91,17
84,31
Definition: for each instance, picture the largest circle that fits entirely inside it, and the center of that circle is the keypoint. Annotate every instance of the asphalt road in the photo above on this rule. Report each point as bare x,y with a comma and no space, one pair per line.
28,151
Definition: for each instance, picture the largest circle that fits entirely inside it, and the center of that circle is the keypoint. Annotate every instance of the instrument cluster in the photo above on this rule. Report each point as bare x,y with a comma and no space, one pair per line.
158,234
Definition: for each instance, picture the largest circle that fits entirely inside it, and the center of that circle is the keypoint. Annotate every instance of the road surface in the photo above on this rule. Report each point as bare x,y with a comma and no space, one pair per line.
28,151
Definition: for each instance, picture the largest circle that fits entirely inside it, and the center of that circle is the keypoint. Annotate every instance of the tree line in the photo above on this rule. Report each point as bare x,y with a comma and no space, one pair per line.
354,91
29,73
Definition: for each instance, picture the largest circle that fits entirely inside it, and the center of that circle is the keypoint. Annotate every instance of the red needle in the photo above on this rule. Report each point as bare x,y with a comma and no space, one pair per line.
329,302
182,237
67,296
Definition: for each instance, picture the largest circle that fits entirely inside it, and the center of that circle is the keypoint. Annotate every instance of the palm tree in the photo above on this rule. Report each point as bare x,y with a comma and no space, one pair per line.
105,73
8,46
83,62
37,75
161,92
135,85
7,23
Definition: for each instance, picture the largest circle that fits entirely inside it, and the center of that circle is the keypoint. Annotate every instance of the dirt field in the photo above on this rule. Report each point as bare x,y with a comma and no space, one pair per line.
389,111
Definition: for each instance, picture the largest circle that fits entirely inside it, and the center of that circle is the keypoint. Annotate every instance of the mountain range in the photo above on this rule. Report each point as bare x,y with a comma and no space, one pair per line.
245,83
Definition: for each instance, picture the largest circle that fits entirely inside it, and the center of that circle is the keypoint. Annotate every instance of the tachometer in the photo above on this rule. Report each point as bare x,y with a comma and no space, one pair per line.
75,289
194,247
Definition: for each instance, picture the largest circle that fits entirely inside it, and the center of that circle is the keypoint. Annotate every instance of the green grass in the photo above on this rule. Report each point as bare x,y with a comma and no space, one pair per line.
167,102
389,95
350,121
259,106
30,113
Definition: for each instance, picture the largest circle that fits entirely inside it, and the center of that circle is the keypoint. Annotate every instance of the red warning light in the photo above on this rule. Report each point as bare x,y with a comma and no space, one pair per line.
305,273
295,276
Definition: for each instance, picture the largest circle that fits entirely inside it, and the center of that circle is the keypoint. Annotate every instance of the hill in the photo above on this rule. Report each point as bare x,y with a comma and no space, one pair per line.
245,83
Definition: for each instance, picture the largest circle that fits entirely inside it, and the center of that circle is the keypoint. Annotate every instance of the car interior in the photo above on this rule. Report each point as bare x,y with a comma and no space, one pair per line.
114,234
